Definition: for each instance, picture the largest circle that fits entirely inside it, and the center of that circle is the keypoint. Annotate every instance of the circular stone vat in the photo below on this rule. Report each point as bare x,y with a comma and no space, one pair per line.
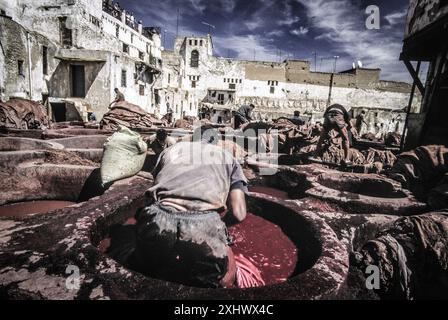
88,147
82,142
365,193
310,264
31,182
367,185
32,207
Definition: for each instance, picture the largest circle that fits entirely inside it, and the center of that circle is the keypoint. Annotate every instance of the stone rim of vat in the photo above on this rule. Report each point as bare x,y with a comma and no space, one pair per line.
70,235
405,204
356,203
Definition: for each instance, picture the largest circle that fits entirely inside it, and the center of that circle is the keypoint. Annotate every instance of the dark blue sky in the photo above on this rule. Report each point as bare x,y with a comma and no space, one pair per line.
277,29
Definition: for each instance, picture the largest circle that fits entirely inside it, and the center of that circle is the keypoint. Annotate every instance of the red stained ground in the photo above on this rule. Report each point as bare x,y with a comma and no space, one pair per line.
270,192
266,246
32,207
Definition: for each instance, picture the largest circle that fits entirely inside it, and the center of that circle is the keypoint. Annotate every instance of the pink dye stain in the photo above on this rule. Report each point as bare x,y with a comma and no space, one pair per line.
266,246
270,192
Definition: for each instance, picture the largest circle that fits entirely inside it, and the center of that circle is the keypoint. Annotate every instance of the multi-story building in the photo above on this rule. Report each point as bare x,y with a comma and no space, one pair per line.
71,54
277,89
425,41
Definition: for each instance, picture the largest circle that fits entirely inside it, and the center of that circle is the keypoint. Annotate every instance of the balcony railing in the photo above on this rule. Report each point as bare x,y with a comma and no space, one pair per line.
115,11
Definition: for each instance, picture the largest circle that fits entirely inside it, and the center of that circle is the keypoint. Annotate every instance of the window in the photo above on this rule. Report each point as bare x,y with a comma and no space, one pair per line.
141,55
78,81
232,86
117,30
194,63
225,80
191,106
141,90
66,34
45,60
272,90
20,70
169,77
200,43
191,42
125,48
195,42
157,96
221,98
240,81
193,84
132,38
123,78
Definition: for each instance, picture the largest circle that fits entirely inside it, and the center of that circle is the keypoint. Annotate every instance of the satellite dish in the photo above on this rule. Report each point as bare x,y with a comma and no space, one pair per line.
359,64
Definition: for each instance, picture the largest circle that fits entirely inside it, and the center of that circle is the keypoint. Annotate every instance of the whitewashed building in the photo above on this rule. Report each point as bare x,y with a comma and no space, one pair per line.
277,89
71,54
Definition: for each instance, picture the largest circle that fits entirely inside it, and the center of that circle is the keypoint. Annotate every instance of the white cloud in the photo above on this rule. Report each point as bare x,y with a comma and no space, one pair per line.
343,26
288,21
275,33
395,17
198,5
228,5
255,23
246,47
299,32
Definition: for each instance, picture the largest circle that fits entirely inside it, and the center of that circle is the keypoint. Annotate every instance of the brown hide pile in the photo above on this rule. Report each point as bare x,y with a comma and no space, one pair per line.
128,115
23,114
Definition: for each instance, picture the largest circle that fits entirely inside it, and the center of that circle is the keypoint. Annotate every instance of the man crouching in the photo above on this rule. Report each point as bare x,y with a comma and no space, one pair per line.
181,235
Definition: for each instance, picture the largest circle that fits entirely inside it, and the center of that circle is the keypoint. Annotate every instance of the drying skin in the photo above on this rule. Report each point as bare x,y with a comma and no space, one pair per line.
129,115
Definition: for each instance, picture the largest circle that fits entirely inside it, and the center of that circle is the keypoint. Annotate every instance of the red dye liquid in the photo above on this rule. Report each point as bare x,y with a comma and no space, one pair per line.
270,192
266,246
258,240
32,207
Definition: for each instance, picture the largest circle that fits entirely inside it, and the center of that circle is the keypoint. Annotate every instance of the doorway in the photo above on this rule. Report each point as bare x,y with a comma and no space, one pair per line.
78,81
59,112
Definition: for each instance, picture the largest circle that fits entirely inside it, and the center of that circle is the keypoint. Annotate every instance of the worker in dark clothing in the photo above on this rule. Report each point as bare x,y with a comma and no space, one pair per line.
160,141
243,116
118,97
336,118
181,236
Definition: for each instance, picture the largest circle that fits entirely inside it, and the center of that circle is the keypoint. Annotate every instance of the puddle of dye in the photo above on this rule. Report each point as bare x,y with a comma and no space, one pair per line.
32,207
266,246
270,192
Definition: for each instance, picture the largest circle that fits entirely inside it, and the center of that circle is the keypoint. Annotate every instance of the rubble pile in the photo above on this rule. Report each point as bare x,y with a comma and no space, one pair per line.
25,114
129,115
